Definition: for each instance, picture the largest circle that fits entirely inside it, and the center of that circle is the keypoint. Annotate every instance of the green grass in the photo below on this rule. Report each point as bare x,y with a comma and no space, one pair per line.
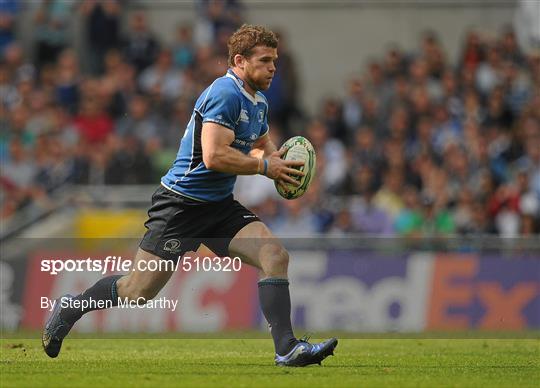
396,362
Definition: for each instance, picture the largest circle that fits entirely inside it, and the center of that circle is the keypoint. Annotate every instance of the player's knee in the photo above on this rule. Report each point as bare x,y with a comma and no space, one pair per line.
141,295
277,259
283,259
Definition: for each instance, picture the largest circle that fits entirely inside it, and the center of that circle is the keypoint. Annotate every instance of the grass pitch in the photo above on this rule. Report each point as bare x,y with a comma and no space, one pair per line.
242,362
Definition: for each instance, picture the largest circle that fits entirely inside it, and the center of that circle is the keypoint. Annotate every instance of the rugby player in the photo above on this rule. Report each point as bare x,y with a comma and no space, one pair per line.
226,136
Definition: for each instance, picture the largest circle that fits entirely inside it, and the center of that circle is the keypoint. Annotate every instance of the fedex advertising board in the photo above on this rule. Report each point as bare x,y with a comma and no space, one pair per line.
353,290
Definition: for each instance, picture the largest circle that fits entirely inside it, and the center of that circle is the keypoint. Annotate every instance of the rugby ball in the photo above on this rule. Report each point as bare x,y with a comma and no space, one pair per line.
298,148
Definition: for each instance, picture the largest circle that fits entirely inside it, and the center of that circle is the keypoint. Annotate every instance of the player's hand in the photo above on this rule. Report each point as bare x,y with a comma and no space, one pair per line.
280,170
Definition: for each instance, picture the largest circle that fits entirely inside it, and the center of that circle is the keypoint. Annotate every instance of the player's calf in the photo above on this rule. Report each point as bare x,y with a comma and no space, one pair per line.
129,288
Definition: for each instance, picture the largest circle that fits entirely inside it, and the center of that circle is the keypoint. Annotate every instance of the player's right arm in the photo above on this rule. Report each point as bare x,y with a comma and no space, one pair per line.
218,155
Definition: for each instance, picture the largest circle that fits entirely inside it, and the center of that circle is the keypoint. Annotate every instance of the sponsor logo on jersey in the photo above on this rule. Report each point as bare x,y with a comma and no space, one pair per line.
244,116
243,143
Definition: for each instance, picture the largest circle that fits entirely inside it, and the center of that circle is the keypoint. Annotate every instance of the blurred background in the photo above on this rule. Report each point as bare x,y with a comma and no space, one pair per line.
425,117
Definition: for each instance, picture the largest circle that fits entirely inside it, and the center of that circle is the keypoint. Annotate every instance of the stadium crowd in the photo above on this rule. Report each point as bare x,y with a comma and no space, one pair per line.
417,145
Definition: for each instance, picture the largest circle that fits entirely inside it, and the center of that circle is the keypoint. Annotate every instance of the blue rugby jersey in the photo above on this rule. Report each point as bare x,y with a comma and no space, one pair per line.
226,103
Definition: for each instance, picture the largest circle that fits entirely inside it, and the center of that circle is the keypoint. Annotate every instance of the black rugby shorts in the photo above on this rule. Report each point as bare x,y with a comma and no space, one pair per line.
177,224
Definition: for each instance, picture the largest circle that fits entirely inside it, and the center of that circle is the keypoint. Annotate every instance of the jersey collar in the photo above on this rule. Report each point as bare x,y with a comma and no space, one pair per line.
231,74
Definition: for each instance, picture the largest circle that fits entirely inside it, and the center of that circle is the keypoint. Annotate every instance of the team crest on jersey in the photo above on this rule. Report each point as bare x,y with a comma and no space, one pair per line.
260,116
253,136
244,116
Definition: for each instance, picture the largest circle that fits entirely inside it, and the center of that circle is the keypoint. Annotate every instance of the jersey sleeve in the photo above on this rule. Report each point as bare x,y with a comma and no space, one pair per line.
221,107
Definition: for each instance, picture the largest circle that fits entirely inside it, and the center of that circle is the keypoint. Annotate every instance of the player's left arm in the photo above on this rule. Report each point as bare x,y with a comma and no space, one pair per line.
263,147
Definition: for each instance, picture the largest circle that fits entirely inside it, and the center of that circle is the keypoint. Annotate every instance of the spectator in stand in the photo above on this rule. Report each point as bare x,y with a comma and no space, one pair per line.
399,94
366,150
473,52
176,123
332,117
421,105
434,55
183,50
216,15
8,12
140,47
398,126
426,220
360,180
472,108
435,220
17,128
371,114
14,59
92,122
52,29
367,217
18,179
352,108
395,64
463,212
162,79
446,131
498,113
388,197
9,96
330,156
342,225
410,215
67,81
451,95
421,143
120,78
126,162
298,221
270,212
422,79
53,168
510,50
374,81
140,122
516,87
529,204
489,73
102,27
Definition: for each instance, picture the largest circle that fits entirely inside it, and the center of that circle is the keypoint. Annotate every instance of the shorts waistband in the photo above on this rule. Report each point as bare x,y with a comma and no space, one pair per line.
195,200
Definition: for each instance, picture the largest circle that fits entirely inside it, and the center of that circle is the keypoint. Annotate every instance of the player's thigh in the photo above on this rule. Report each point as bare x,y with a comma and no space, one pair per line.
256,245
147,277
